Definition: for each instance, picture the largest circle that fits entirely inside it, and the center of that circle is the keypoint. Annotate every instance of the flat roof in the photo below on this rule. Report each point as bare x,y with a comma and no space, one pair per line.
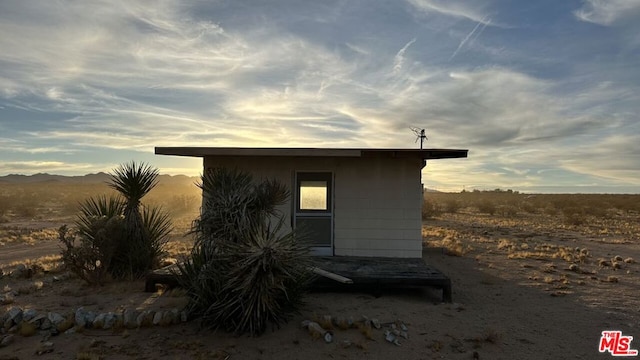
425,154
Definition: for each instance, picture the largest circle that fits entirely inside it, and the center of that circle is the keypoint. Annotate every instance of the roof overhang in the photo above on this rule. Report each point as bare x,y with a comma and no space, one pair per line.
424,154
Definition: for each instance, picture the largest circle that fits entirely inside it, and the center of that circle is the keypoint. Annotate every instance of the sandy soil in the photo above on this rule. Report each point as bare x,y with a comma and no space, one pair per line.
511,300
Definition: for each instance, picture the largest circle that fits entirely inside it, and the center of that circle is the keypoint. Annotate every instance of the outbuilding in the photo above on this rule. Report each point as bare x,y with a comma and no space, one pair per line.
356,201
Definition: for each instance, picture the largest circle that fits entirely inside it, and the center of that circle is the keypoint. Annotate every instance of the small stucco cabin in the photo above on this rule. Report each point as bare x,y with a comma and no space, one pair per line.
353,202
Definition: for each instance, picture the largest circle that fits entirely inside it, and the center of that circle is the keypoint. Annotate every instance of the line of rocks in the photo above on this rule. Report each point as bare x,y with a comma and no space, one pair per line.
29,322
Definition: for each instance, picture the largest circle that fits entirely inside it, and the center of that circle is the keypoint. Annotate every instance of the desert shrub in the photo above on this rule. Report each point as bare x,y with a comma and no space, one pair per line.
90,257
574,215
245,271
4,205
507,210
486,206
452,206
430,209
530,207
597,211
28,210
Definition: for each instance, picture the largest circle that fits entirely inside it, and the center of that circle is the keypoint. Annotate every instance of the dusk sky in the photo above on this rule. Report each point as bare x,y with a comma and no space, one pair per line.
545,94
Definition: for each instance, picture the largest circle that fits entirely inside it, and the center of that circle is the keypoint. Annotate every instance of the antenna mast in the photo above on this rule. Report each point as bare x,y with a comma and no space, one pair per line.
419,135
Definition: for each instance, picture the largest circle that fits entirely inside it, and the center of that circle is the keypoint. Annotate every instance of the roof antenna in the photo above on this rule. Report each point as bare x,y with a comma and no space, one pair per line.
419,135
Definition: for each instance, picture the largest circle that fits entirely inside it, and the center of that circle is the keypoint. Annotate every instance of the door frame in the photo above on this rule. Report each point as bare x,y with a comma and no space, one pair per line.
329,213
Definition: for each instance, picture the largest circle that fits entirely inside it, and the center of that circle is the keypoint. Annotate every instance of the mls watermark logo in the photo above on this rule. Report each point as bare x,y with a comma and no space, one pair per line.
618,345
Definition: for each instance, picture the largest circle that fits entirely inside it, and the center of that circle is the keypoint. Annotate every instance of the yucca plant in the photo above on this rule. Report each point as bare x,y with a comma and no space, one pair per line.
127,237
136,253
244,273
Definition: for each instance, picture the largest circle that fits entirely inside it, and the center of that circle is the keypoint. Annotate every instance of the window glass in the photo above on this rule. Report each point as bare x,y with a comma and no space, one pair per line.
313,195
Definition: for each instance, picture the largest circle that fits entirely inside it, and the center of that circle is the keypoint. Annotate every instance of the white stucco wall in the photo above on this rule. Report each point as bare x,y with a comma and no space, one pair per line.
377,201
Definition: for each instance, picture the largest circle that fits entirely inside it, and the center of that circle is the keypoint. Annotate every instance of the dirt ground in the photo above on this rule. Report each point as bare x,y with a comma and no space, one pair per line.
524,287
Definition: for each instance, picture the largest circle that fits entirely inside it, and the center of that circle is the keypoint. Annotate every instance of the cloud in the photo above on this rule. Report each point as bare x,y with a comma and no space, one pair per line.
84,80
456,9
31,167
615,157
607,12
398,60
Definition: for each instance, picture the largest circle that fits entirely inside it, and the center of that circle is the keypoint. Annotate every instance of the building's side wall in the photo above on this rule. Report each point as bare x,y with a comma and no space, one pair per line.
378,208
377,201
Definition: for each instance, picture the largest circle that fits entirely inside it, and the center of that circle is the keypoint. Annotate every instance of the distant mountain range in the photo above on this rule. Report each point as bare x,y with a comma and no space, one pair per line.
100,177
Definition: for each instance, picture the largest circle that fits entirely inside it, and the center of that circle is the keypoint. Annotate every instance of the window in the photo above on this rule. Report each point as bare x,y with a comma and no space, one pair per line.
313,195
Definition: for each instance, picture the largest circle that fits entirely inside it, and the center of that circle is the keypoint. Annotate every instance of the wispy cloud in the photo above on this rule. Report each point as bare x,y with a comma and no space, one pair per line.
607,12
398,60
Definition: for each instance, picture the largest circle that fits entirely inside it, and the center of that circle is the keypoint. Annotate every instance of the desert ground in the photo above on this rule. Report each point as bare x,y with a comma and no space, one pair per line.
534,277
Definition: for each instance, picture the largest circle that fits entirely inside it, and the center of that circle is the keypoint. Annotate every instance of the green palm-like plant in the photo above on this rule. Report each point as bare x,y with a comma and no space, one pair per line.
243,273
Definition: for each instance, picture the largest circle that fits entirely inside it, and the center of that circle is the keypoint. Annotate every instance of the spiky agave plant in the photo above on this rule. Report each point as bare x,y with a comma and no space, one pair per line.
100,227
265,278
243,272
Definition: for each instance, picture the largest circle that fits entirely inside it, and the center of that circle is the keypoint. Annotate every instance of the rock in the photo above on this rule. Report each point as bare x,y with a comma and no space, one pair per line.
145,318
157,318
391,337
46,324
98,322
402,326
184,316
129,318
168,318
376,323
175,313
15,315
80,317
6,340
70,331
55,318
109,321
38,320
29,314
84,318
